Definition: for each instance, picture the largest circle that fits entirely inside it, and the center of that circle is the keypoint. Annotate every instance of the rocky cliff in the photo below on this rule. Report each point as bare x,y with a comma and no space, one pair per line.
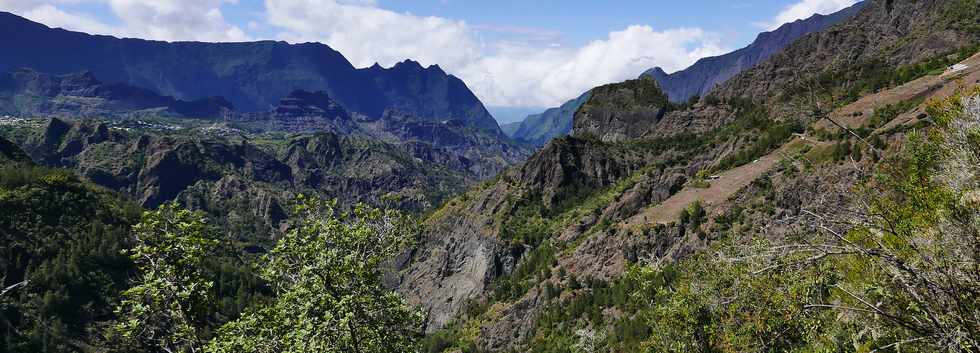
619,112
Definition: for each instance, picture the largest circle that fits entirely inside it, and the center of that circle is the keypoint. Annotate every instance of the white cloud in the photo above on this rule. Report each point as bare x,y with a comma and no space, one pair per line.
55,17
531,76
151,19
804,9
366,34
176,20
502,73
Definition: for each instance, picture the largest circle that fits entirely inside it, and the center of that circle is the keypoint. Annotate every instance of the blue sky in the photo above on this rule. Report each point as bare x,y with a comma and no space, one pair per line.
512,53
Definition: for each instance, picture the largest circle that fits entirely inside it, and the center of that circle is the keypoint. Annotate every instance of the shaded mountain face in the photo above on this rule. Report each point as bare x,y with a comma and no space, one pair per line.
700,78
301,111
469,150
538,129
252,76
29,93
10,152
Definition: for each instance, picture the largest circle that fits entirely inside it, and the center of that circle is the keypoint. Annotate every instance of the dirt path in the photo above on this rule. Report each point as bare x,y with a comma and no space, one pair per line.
721,189
852,115
856,114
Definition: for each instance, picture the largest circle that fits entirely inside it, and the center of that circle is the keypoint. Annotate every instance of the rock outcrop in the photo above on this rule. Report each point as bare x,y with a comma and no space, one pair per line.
618,112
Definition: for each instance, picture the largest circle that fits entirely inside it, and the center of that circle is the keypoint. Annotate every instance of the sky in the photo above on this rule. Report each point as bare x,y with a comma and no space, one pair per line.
515,54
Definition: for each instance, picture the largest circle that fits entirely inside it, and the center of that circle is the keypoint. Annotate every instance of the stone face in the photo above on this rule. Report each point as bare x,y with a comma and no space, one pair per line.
253,76
614,112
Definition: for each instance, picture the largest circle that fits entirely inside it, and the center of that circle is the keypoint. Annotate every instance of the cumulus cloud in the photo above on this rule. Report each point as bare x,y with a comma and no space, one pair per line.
502,73
176,20
805,9
55,17
531,76
152,19
366,34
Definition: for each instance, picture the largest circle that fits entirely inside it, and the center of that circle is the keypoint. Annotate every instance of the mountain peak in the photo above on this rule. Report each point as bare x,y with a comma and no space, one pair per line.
408,64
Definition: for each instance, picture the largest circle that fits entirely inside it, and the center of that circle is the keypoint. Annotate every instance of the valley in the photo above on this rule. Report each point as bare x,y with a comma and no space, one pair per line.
815,191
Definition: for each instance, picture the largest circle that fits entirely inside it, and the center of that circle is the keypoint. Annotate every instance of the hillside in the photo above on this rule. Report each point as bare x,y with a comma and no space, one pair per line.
699,79
823,197
643,196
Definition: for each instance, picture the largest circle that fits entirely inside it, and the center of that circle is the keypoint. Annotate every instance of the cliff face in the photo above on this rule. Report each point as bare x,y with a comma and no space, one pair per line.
252,76
616,112
704,75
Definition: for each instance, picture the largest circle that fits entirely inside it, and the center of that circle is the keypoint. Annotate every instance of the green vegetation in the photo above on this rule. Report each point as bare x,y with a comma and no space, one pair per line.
900,279
61,265
873,75
168,305
884,115
329,296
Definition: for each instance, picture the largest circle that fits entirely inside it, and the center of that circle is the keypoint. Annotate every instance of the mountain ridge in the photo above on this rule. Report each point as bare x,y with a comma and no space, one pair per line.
253,76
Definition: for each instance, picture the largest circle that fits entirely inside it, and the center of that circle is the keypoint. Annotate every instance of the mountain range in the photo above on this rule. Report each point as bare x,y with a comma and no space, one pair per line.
824,199
694,81
251,76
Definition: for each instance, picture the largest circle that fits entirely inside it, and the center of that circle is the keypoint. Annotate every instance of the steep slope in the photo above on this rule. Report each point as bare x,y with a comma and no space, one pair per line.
704,75
539,258
887,44
61,264
26,92
11,153
618,112
252,76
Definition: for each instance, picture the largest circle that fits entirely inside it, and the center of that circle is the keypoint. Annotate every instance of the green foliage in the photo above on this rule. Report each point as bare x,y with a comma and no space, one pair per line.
61,241
884,115
168,305
327,277
533,269
693,215
873,75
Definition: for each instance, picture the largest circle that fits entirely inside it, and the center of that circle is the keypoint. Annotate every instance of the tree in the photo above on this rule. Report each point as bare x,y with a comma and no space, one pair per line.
169,303
327,277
